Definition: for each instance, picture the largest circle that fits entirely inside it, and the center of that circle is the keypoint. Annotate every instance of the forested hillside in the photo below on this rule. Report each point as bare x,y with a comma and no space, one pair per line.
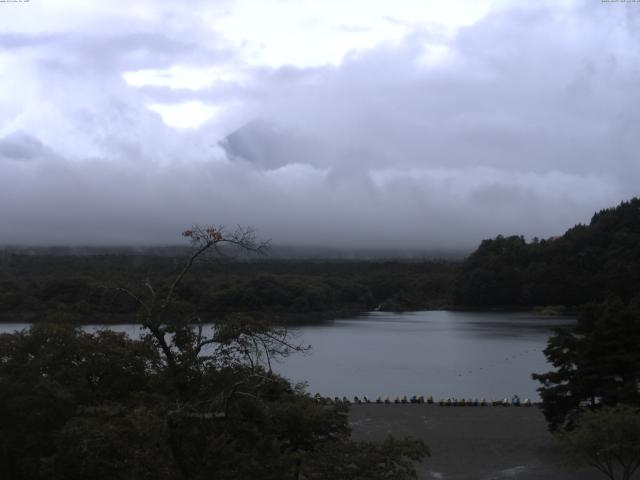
584,265
34,287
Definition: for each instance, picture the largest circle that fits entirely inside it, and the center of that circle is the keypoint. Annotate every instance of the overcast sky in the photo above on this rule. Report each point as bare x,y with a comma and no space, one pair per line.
412,123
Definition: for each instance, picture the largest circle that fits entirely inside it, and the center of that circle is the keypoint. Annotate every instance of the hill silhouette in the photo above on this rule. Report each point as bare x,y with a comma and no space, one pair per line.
586,264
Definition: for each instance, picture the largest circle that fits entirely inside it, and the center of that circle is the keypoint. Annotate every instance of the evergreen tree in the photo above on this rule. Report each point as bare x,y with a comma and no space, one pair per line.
597,362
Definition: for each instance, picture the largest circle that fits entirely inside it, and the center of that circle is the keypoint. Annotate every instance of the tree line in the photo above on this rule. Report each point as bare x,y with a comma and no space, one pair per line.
33,287
586,264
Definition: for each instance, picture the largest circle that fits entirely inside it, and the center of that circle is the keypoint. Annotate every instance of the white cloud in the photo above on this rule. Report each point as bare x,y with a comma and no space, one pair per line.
180,76
185,115
310,33
523,122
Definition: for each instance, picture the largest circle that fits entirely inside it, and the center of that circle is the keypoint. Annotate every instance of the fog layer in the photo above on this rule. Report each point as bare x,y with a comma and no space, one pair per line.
524,122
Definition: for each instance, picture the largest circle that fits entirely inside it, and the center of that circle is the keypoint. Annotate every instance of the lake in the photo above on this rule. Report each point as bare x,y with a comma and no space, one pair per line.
439,353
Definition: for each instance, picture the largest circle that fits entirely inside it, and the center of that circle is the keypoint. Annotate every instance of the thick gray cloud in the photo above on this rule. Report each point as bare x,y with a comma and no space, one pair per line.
22,147
112,53
526,123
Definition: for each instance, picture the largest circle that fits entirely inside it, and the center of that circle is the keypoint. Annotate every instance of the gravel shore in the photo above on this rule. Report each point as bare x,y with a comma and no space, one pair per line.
479,443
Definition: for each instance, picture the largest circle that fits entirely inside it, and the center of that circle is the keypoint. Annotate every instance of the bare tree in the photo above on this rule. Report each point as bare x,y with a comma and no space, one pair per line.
183,342
255,342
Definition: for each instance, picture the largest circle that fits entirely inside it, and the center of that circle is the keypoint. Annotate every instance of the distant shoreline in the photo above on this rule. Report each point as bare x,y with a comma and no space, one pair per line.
279,318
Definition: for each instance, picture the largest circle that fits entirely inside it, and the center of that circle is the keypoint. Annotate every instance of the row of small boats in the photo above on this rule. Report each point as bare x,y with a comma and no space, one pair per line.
445,402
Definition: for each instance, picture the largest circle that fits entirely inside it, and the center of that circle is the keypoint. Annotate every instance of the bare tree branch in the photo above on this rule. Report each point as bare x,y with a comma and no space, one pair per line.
129,293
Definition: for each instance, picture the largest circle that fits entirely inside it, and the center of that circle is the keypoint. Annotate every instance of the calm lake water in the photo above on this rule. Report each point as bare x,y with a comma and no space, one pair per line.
439,353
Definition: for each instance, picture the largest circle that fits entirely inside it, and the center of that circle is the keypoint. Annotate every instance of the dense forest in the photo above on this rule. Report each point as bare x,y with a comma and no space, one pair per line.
586,264
176,404
35,286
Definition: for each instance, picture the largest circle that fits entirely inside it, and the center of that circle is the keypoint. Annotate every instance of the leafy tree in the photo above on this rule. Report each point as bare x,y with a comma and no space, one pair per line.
597,362
607,439
47,373
114,441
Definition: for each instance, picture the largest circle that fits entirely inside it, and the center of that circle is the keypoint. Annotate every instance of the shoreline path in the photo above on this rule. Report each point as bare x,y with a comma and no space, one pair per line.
475,443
